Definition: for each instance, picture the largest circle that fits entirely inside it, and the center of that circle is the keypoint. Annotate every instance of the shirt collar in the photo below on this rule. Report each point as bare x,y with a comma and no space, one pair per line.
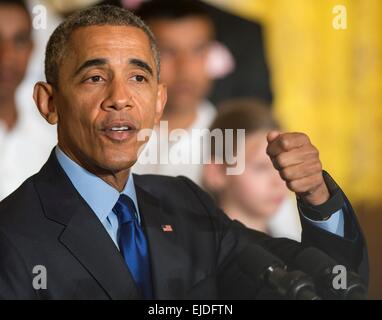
100,196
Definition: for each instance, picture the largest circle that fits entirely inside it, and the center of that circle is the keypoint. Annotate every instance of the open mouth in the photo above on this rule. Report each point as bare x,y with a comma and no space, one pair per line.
119,131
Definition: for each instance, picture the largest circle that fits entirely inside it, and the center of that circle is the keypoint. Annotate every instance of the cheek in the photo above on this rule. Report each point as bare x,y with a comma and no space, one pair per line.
248,186
202,65
21,60
254,194
144,101
78,114
258,188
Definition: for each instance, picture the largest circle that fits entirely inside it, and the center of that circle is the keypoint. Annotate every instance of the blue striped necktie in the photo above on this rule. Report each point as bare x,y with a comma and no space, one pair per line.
133,245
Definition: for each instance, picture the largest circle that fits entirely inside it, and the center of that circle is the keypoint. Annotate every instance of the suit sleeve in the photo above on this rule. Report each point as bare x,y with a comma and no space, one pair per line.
13,272
233,237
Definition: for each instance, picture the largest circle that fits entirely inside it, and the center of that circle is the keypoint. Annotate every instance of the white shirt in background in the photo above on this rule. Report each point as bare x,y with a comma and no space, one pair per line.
185,144
286,222
24,149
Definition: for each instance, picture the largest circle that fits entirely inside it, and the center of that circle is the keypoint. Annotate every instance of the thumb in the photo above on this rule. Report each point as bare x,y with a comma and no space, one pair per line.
272,135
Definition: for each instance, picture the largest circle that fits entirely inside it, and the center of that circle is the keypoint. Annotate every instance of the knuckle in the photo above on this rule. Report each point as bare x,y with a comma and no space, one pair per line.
304,137
319,179
315,151
281,160
284,173
318,166
314,168
293,185
284,142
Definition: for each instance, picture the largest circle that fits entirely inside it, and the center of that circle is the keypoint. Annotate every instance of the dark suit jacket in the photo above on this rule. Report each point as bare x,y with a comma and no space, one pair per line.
46,222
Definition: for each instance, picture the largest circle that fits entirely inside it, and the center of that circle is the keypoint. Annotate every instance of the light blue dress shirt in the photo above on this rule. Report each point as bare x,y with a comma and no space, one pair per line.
100,196
335,224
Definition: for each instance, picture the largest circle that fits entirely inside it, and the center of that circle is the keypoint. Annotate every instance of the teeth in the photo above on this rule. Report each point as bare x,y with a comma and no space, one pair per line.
120,128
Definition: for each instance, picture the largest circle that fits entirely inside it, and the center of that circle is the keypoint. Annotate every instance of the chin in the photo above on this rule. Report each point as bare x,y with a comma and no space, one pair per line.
117,161
116,165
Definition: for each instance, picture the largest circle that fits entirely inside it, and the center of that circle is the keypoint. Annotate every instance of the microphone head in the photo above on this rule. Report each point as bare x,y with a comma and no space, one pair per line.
320,266
254,261
314,262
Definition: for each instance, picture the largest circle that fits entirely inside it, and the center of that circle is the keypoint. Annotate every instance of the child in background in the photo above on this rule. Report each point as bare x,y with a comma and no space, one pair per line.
258,197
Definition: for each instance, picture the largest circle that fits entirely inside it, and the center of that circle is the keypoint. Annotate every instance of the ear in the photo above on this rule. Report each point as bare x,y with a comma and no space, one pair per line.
161,102
43,97
214,177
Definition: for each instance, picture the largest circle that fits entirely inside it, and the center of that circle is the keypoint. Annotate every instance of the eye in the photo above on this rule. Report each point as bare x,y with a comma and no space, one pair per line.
139,78
95,79
21,42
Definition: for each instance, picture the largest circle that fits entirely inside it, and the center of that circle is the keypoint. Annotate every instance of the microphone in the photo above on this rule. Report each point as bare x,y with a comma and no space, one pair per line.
320,266
262,267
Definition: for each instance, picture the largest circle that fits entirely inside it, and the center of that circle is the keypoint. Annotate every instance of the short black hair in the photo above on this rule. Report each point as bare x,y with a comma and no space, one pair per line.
172,10
94,16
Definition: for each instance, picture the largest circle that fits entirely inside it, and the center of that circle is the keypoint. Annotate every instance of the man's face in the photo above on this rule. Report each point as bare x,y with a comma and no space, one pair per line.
15,48
107,91
184,45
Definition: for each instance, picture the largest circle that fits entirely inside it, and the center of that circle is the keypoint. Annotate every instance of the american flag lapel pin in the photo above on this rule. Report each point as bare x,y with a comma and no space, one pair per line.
167,228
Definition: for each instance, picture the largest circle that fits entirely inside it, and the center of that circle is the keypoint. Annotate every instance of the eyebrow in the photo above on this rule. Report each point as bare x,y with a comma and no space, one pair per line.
141,64
90,63
101,62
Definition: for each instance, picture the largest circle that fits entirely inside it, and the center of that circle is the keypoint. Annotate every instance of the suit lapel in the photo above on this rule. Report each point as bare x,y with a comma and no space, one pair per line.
169,263
84,235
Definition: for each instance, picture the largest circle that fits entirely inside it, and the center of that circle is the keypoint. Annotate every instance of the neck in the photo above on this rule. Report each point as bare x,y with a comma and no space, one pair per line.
182,120
116,179
8,112
249,219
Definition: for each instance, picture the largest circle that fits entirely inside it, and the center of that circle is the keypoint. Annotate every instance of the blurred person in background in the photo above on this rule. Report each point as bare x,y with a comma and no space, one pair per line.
185,34
22,148
258,197
237,66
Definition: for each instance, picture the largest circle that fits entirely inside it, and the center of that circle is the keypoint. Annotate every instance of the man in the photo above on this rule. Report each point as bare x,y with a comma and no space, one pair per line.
184,61
100,232
25,141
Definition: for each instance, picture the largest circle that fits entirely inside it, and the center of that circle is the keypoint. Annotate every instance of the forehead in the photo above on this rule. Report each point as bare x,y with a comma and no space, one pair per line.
13,19
197,29
109,42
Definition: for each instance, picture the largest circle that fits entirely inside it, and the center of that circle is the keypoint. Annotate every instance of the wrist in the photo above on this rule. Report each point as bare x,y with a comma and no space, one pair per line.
318,196
326,209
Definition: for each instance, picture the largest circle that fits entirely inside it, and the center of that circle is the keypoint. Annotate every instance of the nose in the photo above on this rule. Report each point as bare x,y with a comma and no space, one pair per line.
184,63
119,96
